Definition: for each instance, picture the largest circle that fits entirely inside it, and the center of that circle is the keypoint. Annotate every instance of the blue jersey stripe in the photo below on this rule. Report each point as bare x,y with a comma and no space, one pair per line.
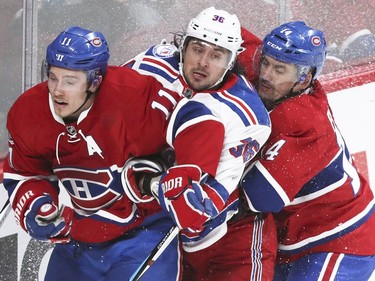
331,174
157,71
246,96
328,237
234,107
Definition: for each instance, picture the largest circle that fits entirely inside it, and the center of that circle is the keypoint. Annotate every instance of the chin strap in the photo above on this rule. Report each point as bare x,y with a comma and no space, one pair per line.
88,96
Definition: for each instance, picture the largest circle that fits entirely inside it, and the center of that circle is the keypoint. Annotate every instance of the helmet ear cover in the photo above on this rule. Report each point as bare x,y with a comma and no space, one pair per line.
303,71
93,76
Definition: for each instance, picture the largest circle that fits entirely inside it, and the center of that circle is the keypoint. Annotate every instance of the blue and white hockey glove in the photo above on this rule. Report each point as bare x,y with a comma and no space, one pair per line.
140,178
181,194
44,221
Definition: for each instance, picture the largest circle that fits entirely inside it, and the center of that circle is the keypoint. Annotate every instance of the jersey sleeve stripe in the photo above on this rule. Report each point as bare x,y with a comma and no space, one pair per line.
186,116
242,106
104,215
262,183
153,65
193,122
340,230
162,63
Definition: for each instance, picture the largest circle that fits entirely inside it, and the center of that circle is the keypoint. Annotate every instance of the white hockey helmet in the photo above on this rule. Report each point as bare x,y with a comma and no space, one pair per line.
217,27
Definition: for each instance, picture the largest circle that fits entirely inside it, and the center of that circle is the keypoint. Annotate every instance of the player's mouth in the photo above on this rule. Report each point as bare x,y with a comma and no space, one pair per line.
199,75
264,86
60,103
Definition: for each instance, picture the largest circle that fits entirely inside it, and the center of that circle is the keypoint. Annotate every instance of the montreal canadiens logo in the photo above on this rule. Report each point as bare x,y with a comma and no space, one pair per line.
316,40
97,42
164,51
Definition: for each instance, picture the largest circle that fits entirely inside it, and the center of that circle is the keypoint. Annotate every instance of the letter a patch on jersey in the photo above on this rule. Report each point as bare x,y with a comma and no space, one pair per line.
93,147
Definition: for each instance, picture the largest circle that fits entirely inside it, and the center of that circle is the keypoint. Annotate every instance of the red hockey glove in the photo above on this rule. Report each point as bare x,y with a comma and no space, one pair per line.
140,178
45,222
182,196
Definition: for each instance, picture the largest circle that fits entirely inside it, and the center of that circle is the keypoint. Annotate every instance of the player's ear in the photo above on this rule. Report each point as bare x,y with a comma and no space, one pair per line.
306,81
96,83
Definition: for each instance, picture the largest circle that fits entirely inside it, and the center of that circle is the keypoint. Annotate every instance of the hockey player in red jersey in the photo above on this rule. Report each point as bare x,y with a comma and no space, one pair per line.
75,132
324,209
215,130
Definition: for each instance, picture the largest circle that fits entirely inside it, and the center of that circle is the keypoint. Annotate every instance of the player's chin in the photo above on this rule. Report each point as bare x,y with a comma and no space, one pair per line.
265,92
200,85
62,112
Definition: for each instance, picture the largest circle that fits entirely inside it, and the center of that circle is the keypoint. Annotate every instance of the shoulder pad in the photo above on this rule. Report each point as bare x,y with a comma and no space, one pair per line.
164,50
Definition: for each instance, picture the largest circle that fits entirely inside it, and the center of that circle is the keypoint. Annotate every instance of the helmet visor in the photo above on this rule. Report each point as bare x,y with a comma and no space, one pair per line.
44,71
276,80
207,54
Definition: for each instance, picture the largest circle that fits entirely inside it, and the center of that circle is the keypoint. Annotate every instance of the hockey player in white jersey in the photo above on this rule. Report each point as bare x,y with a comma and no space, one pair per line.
217,127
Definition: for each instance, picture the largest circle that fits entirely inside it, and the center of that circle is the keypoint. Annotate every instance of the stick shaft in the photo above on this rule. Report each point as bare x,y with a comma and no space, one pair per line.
5,210
155,253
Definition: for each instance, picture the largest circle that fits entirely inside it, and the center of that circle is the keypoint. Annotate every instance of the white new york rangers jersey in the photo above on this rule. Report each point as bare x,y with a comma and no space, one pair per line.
218,130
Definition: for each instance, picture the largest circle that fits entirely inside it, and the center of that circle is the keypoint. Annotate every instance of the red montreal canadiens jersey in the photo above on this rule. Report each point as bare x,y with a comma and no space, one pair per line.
128,118
306,176
220,131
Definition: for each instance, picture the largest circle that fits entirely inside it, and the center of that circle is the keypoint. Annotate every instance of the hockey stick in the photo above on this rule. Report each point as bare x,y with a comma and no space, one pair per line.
4,212
155,253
